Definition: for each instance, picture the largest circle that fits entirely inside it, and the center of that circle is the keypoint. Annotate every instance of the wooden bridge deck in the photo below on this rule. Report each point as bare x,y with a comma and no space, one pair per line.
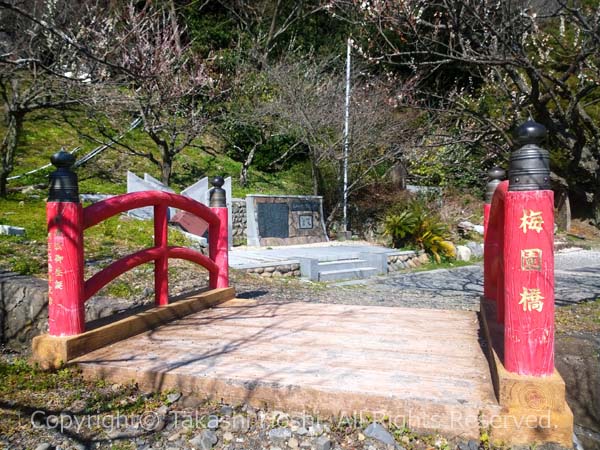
422,366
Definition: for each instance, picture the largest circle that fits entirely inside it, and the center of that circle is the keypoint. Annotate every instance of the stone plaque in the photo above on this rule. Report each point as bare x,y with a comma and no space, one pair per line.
306,221
306,205
273,220
284,220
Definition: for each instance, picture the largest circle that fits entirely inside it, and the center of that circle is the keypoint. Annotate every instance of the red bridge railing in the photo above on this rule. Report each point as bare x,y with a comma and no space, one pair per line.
67,220
519,255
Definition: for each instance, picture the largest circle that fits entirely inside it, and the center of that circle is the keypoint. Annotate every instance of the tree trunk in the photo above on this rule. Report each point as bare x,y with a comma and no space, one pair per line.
3,183
166,168
596,204
314,172
271,32
173,18
246,166
8,147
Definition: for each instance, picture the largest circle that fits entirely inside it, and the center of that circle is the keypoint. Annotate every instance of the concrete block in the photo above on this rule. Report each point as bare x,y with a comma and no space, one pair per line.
376,260
198,191
309,268
160,185
348,274
9,230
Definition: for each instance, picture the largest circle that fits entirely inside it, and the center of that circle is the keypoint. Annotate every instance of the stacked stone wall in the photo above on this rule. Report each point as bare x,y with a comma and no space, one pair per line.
239,217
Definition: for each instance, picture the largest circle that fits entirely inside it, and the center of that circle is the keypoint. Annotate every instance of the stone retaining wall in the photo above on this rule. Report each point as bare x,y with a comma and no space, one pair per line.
239,218
282,270
396,261
24,309
407,260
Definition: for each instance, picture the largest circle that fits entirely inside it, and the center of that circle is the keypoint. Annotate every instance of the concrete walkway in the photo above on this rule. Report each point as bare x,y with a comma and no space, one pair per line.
251,257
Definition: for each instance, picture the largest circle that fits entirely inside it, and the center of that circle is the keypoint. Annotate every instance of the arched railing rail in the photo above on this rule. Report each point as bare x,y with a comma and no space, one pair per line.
98,212
493,259
67,290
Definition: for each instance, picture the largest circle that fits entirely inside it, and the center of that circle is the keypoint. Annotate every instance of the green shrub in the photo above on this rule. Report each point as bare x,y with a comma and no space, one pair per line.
26,265
400,227
414,225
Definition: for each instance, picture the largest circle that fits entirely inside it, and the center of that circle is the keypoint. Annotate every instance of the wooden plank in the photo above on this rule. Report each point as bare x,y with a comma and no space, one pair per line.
420,414
322,370
53,351
387,352
316,357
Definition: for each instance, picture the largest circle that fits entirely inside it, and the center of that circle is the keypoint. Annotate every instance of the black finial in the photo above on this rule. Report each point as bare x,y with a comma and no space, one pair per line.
63,181
496,175
62,159
529,168
530,132
218,198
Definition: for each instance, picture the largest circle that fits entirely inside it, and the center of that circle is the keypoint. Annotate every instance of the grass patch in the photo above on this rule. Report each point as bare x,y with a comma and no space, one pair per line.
26,254
446,265
44,133
25,389
583,317
110,239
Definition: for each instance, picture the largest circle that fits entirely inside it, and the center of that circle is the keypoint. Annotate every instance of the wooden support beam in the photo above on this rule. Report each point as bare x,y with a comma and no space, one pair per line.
534,408
54,351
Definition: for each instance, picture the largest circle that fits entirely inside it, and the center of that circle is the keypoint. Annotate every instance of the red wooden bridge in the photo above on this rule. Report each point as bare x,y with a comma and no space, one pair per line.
428,368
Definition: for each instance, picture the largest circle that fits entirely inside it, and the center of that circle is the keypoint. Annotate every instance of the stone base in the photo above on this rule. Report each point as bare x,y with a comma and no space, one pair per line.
54,351
534,409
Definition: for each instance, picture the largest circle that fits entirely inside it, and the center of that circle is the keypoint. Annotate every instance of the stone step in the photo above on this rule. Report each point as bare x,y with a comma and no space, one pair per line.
342,264
347,274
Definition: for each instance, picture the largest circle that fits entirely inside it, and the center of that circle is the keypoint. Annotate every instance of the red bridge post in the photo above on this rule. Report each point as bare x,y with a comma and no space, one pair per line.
161,265
218,236
496,175
529,258
66,313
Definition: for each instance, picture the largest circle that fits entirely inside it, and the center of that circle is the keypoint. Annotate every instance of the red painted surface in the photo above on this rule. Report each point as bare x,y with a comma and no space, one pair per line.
105,276
161,265
218,246
66,314
529,282
100,211
493,266
66,222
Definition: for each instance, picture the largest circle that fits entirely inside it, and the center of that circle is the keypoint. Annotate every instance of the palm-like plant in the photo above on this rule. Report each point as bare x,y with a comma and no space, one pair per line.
415,226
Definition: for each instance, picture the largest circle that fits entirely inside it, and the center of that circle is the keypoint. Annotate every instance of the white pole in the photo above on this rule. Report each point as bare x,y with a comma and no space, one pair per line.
346,135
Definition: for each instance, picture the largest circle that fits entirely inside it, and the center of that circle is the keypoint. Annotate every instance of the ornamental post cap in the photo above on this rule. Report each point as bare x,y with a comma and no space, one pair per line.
218,198
217,181
529,166
62,159
497,173
530,132
63,186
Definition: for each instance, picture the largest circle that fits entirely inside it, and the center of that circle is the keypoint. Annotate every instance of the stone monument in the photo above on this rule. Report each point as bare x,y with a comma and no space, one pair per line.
148,183
285,219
